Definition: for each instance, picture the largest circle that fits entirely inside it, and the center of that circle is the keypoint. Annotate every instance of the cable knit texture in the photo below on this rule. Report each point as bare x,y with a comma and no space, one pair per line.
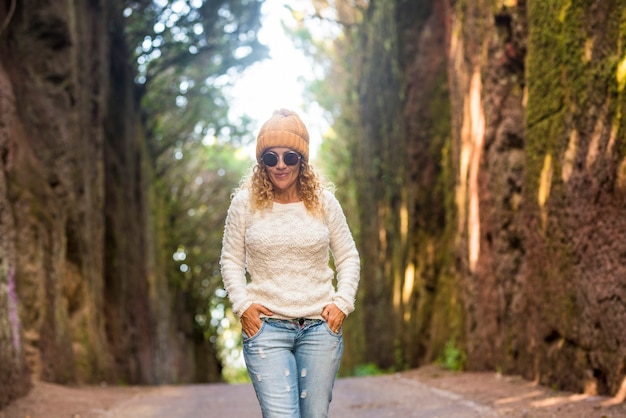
285,250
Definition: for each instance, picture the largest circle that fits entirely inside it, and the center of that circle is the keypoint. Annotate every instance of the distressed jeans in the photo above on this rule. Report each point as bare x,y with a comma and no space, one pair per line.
293,365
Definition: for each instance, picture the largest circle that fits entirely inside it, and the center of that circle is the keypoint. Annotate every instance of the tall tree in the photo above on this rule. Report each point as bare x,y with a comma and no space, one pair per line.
187,52
387,94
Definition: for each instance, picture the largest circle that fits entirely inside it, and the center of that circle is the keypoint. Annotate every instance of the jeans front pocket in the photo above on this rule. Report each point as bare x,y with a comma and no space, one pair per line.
336,334
245,338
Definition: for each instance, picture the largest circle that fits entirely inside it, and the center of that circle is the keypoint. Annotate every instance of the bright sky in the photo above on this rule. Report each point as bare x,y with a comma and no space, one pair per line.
278,81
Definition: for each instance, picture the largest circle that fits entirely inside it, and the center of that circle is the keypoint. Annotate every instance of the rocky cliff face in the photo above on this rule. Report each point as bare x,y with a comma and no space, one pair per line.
84,301
537,92
487,48
491,164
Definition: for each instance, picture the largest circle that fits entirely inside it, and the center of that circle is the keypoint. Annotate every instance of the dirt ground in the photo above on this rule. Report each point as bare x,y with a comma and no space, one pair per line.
509,396
514,397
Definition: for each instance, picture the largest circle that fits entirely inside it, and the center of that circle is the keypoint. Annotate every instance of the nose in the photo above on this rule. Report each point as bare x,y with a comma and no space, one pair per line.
281,162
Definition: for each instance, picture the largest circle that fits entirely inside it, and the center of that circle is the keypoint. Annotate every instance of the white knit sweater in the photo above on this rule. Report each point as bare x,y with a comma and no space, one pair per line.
286,252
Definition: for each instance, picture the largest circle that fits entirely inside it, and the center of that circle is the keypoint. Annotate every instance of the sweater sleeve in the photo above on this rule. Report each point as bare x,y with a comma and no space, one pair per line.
233,257
345,254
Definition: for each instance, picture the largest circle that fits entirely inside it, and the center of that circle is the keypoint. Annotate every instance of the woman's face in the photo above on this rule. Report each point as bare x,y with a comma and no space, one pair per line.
283,176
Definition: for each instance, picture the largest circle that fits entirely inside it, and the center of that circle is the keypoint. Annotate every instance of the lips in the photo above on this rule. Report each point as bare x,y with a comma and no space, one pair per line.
281,175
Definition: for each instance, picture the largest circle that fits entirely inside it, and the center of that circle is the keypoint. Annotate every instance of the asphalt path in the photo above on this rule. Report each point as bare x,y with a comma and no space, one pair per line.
364,397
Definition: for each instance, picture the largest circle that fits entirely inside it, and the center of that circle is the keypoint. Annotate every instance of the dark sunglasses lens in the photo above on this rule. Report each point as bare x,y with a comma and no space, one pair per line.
291,158
270,159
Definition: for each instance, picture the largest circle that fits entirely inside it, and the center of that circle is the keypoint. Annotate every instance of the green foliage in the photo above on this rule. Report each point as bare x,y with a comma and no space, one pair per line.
198,183
452,358
369,369
170,38
236,375
185,53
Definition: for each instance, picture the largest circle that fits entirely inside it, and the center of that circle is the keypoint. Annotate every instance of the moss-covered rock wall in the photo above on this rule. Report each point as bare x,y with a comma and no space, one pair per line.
409,300
575,193
487,44
537,96
83,297
491,174
54,63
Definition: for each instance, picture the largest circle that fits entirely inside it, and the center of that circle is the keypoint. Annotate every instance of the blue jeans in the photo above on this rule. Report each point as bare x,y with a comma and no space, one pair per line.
293,365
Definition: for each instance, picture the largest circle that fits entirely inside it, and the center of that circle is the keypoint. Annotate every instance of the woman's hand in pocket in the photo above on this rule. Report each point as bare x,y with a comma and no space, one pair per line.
334,317
251,318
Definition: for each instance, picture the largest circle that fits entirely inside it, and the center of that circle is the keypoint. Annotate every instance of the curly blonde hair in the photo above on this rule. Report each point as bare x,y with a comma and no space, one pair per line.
309,185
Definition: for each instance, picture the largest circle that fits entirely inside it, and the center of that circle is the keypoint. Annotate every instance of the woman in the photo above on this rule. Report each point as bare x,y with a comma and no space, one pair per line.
280,228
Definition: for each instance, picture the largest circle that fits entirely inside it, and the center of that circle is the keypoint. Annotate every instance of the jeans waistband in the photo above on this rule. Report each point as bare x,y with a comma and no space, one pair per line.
295,321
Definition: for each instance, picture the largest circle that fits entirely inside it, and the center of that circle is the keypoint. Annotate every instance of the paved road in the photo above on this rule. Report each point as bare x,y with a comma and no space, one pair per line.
368,397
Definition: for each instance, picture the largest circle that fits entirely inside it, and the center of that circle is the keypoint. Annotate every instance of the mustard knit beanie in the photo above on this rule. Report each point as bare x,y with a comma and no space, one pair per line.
283,129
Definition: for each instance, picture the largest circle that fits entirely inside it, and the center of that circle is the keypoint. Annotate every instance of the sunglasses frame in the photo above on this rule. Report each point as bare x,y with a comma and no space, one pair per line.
279,157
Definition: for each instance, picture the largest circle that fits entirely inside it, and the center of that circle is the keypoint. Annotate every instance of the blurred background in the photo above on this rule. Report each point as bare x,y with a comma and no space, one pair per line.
477,148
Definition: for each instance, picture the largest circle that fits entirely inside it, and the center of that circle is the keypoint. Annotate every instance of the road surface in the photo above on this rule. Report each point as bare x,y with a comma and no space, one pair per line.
429,391
366,397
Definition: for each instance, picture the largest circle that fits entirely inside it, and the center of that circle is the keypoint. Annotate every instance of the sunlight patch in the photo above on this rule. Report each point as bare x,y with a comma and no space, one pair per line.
621,75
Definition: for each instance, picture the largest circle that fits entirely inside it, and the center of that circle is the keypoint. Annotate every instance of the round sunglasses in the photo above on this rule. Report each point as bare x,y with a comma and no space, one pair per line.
270,158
